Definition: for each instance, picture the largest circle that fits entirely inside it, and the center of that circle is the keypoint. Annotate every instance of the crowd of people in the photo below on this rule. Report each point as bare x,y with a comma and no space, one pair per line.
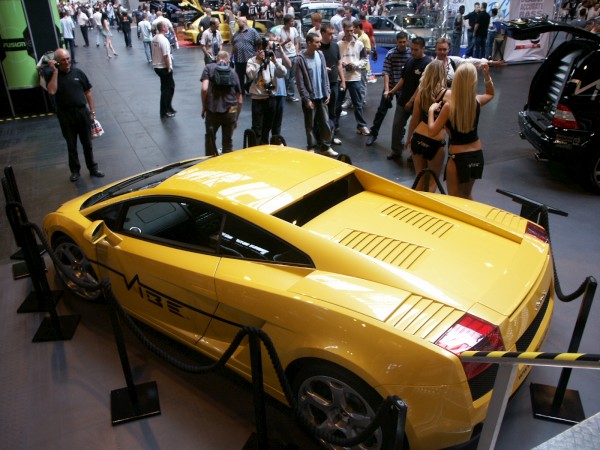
435,97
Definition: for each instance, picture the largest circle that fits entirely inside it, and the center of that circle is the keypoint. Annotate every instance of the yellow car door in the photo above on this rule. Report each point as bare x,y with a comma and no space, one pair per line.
163,269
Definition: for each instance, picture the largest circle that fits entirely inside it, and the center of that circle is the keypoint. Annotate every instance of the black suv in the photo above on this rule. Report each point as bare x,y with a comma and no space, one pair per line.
561,118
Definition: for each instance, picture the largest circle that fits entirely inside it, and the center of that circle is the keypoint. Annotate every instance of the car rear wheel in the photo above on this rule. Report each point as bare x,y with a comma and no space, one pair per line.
337,401
76,263
591,173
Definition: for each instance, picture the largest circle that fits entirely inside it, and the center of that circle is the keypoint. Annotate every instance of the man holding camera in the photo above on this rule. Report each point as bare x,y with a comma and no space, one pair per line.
74,110
211,41
264,71
314,90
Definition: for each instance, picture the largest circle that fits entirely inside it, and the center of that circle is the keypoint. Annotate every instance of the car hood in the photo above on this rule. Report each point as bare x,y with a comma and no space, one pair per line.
460,259
525,29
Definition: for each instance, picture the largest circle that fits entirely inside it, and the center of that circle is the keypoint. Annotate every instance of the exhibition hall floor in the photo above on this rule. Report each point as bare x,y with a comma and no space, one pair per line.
56,395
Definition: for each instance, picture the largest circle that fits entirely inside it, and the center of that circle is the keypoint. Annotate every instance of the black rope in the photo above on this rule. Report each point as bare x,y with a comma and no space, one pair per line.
105,286
435,177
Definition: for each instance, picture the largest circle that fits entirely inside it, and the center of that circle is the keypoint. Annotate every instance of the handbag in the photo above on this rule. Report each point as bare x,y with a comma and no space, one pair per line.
97,129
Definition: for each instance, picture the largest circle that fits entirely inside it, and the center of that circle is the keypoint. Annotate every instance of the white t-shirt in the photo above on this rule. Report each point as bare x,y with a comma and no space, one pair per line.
212,41
67,27
160,48
292,35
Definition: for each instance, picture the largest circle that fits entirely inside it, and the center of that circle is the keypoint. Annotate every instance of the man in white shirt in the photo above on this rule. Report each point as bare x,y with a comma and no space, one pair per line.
68,31
163,66
97,17
211,41
336,23
146,34
290,41
82,21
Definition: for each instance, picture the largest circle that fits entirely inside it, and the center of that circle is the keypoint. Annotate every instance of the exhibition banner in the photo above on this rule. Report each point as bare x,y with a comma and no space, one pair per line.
16,55
534,49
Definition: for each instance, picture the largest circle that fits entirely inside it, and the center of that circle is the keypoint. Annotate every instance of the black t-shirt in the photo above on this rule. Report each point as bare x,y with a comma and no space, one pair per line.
71,88
483,19
411,73
126,23
244,9
332,57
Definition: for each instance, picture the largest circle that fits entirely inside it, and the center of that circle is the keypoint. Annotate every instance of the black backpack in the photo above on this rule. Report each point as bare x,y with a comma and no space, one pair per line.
223,77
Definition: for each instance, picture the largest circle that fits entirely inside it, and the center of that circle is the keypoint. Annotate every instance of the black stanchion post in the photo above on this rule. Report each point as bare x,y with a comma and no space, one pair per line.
397,418
260,440
561,404
134,401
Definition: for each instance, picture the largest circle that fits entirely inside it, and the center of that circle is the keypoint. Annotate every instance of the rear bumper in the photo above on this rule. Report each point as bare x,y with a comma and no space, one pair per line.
556,144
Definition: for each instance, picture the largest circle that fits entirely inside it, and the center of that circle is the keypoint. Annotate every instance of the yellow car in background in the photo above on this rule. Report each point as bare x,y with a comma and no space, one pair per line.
193,31
367,288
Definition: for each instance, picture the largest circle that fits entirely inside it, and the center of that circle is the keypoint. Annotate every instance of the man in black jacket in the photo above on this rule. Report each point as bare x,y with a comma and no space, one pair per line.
471,20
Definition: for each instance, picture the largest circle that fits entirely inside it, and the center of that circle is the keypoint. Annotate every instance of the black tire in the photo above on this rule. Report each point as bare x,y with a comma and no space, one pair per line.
337,401
75,261
590,173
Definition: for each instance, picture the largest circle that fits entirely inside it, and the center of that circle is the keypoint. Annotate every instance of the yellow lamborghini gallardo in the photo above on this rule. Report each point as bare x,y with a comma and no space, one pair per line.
367,288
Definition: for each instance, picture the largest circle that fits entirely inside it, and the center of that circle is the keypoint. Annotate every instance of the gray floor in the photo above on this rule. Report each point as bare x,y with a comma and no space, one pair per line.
56,395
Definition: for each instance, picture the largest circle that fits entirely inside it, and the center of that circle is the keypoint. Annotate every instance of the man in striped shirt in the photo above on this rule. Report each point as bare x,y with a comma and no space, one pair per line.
392,72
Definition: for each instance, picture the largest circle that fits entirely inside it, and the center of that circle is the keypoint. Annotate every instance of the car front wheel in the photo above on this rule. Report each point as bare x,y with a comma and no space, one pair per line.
78,266
338,402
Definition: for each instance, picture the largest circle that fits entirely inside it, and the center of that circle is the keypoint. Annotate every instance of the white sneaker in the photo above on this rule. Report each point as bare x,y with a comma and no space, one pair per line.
347,104
343,113
336,141
363,130
329,152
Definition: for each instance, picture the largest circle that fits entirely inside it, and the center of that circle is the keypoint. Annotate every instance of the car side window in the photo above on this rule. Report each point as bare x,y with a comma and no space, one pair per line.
242,239
171,221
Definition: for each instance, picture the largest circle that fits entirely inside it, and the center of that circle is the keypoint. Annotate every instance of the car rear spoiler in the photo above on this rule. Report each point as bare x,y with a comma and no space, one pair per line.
531,28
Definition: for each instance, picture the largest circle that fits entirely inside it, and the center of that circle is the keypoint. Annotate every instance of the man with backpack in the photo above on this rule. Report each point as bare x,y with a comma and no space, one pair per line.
221,102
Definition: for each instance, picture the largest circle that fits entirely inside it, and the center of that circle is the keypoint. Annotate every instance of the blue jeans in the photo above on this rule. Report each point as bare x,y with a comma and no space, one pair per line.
456,40
489,44
356,95
148,50
290,78
479,46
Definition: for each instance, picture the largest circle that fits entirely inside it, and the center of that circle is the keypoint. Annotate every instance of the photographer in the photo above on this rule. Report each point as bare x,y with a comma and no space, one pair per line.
264,71
281,93
211,41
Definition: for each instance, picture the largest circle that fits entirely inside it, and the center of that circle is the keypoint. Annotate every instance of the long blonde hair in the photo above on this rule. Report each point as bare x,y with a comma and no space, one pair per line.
433,81
463,106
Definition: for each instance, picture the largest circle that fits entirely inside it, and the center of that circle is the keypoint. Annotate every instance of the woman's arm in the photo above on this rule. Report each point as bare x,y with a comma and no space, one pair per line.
435,126
489,86
414,120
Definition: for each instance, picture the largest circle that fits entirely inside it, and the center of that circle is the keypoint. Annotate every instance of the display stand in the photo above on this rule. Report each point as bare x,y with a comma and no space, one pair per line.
134,401
559,404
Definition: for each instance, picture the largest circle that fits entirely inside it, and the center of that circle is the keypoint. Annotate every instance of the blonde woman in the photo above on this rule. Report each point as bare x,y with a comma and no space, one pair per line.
460,117
427,149
107,34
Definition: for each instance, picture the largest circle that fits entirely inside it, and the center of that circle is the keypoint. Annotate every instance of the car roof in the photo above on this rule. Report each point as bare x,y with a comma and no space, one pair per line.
265,178
525,29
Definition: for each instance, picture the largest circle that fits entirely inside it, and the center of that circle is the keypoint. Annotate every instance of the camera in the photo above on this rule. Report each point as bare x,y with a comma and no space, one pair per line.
270,87
349,67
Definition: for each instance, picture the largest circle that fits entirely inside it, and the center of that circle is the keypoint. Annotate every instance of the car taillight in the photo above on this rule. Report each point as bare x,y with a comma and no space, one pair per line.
471,333
564,118
537,231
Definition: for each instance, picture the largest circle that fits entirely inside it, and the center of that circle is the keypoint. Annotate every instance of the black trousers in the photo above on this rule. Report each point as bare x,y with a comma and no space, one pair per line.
76,123
263,111
227,122
84,33
127,36
240,69
382,110
167,90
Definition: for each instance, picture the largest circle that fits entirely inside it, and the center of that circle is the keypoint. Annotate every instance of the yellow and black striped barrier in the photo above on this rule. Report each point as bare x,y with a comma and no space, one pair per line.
29,116
587,360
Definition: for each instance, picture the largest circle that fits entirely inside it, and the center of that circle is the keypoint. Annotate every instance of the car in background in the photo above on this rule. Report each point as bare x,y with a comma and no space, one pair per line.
400,8
193,31
366,288
326,9
385,31
561,118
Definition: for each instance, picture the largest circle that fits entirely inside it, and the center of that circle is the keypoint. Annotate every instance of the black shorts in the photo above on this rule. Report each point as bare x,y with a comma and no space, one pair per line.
425,146
469,165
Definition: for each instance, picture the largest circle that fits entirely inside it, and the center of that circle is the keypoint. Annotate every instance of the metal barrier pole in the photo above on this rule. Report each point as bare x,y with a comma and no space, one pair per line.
397,418
261,442
502,388
132,402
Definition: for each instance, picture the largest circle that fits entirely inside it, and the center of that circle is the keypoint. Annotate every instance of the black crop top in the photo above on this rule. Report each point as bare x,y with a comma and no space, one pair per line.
425,113
458,138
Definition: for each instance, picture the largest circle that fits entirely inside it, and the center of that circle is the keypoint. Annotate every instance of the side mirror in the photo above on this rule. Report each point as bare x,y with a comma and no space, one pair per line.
98,231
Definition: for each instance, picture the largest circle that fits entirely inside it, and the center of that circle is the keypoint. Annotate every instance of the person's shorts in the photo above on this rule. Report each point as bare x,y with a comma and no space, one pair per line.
469,165
425,146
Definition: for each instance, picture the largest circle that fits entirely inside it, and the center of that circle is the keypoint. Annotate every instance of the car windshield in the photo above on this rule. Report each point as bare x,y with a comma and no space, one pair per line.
319,201
139,182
